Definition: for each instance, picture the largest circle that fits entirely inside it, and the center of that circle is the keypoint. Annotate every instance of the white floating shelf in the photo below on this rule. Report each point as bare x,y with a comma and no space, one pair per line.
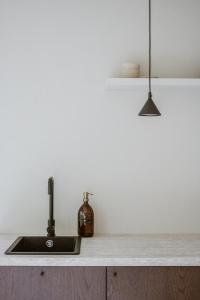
132,83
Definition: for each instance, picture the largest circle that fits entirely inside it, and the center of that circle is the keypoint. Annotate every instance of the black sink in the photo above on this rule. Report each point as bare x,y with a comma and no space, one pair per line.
41,245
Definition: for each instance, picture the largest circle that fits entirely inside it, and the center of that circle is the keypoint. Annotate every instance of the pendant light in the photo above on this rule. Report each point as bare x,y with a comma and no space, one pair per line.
149,108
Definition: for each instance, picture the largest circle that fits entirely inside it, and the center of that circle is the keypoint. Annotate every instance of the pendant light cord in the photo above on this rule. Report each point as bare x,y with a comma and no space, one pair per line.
149,108
149,46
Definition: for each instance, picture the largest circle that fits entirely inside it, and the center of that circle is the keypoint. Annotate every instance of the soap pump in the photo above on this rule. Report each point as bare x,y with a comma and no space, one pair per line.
86,218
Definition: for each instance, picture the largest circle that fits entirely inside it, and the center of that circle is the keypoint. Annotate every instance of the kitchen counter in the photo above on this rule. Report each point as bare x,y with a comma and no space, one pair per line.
123,250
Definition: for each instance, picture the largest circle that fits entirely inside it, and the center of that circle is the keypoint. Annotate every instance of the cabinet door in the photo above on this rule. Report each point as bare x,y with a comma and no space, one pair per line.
52,283
153,283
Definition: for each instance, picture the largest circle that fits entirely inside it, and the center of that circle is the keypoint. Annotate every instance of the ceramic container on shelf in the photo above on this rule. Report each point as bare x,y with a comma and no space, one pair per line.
130,70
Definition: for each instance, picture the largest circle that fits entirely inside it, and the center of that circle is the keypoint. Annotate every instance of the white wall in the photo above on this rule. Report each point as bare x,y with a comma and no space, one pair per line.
56,119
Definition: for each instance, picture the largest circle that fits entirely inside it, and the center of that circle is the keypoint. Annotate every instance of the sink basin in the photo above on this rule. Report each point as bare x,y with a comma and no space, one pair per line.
41,245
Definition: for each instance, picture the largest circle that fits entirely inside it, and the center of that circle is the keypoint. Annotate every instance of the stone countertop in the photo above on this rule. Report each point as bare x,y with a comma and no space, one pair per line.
116,250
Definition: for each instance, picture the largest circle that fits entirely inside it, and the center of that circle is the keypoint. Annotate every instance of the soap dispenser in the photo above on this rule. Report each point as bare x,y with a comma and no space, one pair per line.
86,218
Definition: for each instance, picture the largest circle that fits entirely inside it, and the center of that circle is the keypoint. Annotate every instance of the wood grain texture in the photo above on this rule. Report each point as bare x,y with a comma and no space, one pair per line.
153,283
52,283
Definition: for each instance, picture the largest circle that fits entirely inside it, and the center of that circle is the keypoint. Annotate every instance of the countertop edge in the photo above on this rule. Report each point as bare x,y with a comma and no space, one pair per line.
101,262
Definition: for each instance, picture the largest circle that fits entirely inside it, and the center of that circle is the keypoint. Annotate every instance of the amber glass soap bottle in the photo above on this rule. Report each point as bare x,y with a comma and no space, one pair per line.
86,218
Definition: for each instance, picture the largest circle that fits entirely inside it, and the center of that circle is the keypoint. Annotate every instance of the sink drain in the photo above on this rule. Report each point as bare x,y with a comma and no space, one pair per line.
49,243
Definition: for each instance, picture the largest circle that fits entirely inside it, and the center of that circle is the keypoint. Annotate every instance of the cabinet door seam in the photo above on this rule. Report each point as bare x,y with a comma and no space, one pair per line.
106,283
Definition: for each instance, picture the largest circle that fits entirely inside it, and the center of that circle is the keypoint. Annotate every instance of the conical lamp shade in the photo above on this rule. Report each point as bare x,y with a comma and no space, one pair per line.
149,109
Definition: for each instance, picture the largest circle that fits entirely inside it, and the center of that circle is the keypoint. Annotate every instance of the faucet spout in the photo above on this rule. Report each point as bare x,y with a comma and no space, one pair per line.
51,221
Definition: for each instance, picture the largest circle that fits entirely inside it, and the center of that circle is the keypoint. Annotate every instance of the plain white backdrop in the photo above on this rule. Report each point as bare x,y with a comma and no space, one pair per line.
56,119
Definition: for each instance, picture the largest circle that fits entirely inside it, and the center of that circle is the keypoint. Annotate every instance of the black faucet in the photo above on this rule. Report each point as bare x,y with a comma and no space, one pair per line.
51,221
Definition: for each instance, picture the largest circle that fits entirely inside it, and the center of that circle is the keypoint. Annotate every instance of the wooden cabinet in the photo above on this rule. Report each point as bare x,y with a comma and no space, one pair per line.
99,283
153,283
52,283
